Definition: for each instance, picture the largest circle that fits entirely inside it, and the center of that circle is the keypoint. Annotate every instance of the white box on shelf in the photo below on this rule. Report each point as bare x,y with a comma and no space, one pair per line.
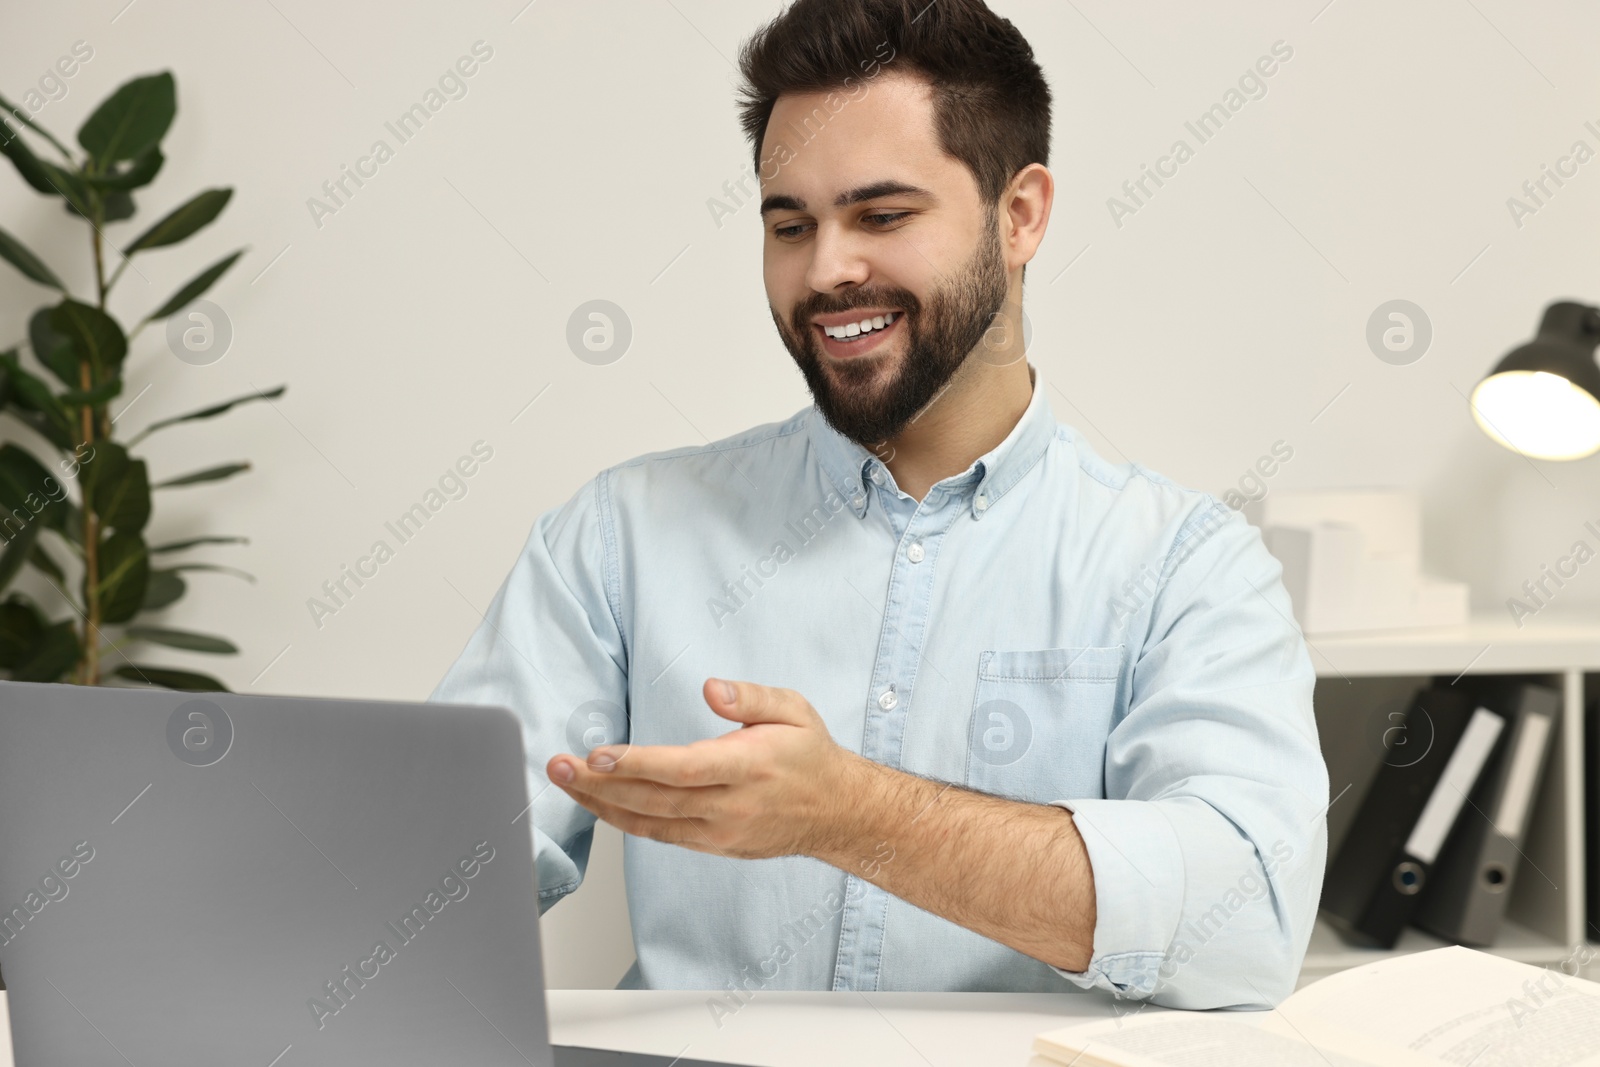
1352,561
1389,519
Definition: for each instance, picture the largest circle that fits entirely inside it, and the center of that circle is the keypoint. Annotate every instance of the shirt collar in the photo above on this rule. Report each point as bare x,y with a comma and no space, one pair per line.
849,465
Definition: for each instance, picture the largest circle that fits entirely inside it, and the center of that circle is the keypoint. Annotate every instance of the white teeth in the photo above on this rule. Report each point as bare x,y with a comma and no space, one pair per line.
877,322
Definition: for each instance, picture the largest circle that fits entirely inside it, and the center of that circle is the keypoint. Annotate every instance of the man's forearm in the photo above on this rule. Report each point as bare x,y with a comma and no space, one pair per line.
1015,872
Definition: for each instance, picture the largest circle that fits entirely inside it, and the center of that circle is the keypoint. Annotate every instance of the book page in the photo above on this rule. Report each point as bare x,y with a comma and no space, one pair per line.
1461,1006
1208,1039
1450,1005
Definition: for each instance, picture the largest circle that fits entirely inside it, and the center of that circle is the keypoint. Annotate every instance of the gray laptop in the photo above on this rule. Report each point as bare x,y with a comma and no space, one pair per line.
191,879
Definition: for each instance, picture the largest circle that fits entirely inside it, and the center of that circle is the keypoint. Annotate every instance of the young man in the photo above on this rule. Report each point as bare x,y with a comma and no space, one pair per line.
920,691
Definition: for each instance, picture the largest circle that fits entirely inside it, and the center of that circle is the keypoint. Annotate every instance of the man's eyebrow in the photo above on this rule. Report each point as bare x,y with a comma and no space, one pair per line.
861,194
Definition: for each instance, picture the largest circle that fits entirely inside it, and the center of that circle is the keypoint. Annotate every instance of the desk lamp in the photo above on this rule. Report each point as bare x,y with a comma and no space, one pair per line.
1543,399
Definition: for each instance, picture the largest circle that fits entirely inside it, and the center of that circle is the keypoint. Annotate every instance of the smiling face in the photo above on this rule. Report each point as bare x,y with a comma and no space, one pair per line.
870,216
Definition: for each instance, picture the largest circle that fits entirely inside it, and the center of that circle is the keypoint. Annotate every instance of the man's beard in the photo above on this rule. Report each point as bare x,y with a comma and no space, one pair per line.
870,398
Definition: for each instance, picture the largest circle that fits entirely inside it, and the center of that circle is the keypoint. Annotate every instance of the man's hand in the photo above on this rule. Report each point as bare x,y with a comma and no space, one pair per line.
1015,872
778,786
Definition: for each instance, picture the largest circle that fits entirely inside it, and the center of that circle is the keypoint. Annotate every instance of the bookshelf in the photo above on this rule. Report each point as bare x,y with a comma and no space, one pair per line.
1362,677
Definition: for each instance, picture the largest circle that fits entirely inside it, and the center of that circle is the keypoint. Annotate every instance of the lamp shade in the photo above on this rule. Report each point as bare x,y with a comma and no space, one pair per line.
1543,399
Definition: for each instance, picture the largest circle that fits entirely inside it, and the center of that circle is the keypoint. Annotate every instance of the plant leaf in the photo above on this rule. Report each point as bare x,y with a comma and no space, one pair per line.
52,655
165,588
46,562
119,488
24,494
16,149
70,187
22,116
130,120
140,172
235,571
178,546
52,348
184,639
17,254
94,335
71,526
79,398
182,220
116,205
194,287
45,428
33,402
124,568
168,678
210,474
20,627
207,413
28,391
16,551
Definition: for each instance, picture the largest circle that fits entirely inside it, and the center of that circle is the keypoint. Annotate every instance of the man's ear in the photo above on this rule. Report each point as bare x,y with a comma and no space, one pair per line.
1024,213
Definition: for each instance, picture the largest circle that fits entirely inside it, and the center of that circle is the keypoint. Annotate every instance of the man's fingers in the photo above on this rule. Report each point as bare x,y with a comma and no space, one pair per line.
748,702
644,796
674,831
701,763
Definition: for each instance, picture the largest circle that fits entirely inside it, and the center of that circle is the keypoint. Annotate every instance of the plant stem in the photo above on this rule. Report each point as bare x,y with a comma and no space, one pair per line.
89,668
99,256
115,275
89,671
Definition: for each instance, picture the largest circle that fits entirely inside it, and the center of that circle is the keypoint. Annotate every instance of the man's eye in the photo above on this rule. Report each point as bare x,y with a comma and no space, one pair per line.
883,219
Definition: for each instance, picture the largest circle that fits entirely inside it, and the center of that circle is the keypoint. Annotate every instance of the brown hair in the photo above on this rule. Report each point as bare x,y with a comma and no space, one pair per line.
991,103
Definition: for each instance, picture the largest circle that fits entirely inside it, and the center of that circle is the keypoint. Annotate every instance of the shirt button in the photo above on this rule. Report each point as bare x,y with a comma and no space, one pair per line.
982,503
888,700
877,475
914,553
857,500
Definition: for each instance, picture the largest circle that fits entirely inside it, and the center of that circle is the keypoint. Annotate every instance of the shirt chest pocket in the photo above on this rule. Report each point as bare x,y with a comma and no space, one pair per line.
1039,722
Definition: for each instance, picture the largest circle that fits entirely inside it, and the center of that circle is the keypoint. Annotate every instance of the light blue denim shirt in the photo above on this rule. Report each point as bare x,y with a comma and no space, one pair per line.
1045,625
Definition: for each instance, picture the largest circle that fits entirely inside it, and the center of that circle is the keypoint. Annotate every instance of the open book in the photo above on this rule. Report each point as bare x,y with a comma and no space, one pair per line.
1450,1005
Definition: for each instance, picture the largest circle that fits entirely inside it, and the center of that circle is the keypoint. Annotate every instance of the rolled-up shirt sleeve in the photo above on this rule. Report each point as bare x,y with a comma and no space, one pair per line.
1209,846
551,649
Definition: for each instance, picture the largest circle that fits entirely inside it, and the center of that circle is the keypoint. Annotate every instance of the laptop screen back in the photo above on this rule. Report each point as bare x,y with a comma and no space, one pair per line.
192,879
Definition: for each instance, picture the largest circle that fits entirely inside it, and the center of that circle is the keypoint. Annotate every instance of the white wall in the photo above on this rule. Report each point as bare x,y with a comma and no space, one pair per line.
423,316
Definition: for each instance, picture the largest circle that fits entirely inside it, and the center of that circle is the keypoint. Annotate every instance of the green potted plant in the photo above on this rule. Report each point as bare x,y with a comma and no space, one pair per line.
79,518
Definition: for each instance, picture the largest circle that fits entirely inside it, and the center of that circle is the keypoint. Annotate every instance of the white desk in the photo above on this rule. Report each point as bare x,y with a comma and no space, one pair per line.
794,1029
